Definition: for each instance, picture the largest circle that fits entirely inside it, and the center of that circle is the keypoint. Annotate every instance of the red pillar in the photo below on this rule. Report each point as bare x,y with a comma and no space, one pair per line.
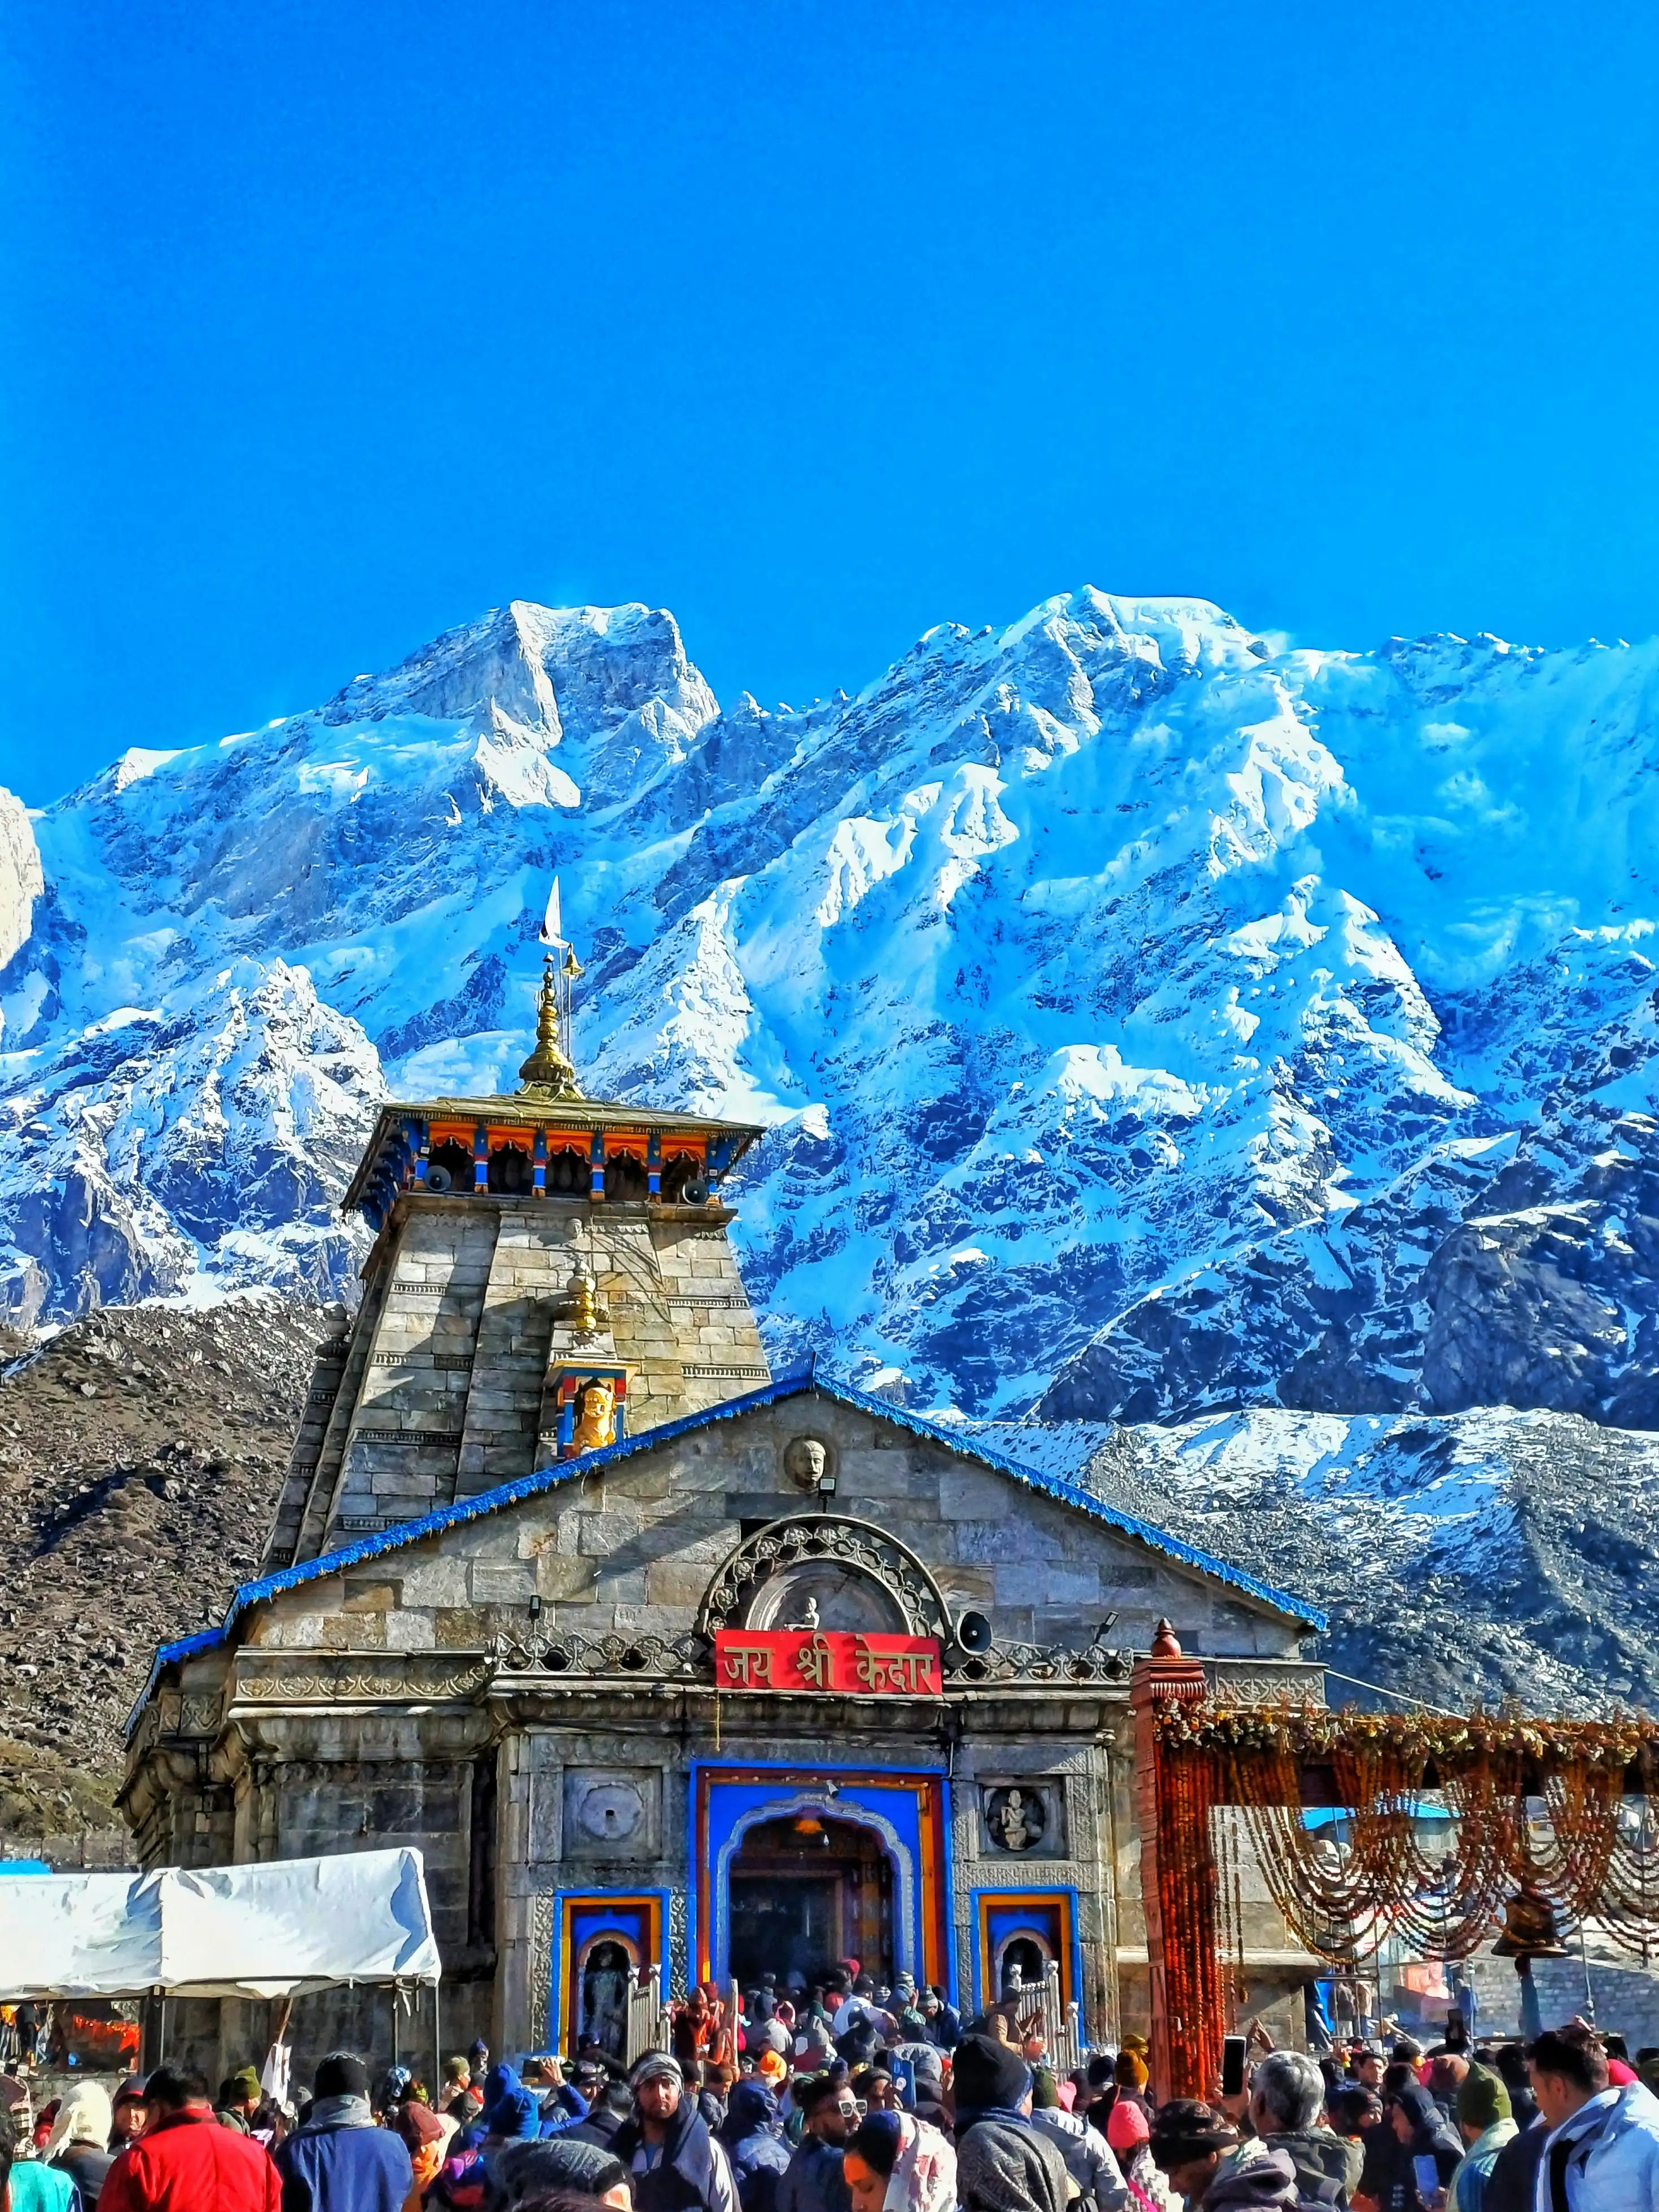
1174,1794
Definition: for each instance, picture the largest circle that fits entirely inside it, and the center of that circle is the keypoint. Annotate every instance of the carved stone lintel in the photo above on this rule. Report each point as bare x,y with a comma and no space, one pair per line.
638,1658
1264,1681
366,1682
1043,1663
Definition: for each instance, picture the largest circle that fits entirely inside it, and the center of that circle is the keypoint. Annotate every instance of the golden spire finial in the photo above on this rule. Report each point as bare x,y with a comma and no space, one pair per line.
549,1072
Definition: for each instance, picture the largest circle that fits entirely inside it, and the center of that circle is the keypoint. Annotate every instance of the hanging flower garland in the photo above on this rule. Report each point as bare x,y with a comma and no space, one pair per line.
1568,1809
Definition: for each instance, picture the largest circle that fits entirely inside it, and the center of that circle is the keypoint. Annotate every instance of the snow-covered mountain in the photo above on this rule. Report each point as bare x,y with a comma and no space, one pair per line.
1150,1022
1488,1553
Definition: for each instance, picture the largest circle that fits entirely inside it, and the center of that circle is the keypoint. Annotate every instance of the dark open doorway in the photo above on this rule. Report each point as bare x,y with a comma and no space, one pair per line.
806,1892
1021,1957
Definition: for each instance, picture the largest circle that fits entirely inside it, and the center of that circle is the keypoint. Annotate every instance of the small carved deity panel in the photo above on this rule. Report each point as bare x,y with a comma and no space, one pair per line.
1015,1817
806,1462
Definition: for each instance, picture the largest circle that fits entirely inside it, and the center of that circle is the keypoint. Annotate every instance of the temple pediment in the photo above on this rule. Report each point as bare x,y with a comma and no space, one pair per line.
727,1517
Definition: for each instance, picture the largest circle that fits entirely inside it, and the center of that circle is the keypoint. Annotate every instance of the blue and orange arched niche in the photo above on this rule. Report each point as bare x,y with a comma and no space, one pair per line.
637,1919
1045,1917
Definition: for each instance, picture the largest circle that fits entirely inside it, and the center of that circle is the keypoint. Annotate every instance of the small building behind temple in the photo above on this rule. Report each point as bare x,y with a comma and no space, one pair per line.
661,1658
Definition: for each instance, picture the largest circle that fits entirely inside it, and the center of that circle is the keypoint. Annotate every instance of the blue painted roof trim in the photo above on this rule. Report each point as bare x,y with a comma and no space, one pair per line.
791,1383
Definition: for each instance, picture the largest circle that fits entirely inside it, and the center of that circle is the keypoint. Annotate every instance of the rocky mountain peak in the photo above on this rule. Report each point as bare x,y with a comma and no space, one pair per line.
1151,1011
1152,1025
546,675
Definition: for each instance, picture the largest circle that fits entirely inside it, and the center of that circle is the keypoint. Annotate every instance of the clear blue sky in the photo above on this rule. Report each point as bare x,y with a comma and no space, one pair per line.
328,325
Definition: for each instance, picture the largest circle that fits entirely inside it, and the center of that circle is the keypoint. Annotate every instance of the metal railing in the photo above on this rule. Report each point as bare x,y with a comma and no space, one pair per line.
1061,2023
649,2025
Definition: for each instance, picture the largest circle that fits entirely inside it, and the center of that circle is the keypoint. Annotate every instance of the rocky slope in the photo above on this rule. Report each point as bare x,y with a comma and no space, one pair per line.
141,1452
1485,1554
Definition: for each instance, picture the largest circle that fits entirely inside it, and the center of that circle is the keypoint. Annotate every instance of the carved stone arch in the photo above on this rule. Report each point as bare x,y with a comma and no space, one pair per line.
805,1539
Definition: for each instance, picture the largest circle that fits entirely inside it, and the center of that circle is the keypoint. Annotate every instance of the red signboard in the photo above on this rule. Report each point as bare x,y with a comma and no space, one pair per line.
827,1659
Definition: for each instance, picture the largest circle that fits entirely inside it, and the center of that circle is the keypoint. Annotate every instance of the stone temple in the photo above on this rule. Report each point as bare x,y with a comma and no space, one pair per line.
664,1659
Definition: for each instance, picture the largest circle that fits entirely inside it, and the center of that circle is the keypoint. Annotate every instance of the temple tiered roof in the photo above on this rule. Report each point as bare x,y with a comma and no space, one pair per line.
389,1158
547,1118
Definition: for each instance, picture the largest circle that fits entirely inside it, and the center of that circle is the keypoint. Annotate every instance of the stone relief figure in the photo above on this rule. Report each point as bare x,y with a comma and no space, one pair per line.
595,1415
1017,1817
824,1594
805,1462
604,1999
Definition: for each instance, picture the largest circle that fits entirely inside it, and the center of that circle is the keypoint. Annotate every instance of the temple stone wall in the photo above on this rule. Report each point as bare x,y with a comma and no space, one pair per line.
374,1705
631,1547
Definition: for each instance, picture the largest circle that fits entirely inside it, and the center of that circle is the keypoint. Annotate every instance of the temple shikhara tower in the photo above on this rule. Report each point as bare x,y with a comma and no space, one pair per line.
551,1275
674,1668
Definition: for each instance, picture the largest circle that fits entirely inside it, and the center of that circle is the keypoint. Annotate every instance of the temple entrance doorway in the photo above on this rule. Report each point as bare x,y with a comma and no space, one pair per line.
806,1892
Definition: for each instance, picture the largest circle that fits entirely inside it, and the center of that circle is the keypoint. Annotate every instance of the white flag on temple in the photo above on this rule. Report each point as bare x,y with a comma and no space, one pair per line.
552,930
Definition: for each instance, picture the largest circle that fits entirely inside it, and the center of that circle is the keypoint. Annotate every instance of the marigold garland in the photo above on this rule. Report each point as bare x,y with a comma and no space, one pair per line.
1567,1808
1188,1910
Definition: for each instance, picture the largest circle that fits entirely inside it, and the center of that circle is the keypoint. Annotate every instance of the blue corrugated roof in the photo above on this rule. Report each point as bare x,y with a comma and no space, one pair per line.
791,1383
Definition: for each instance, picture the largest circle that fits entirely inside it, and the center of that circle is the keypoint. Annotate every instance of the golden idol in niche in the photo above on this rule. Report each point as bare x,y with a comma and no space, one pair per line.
595,1415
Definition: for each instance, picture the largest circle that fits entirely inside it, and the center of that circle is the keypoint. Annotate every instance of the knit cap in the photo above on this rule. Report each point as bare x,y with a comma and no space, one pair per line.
877,2142
1482,2100
341,2074
524,2169
1127,2125
988,2074
418,2125
654,2064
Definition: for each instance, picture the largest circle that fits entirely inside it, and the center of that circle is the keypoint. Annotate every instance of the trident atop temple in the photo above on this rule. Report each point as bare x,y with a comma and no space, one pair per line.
549,1072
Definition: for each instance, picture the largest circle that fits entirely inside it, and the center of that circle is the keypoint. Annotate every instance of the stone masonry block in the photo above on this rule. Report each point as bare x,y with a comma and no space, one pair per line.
603,1533
1042,1584
407,1630
369,1597
563,1579
459,1628
503,1585
673,1582
623,1589
980,1541
433,1580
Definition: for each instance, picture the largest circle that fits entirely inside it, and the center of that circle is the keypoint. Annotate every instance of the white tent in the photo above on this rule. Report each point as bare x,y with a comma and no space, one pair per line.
275,1929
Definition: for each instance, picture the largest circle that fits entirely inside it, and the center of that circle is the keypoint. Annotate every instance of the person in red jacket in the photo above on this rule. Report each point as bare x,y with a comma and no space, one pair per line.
184,2161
